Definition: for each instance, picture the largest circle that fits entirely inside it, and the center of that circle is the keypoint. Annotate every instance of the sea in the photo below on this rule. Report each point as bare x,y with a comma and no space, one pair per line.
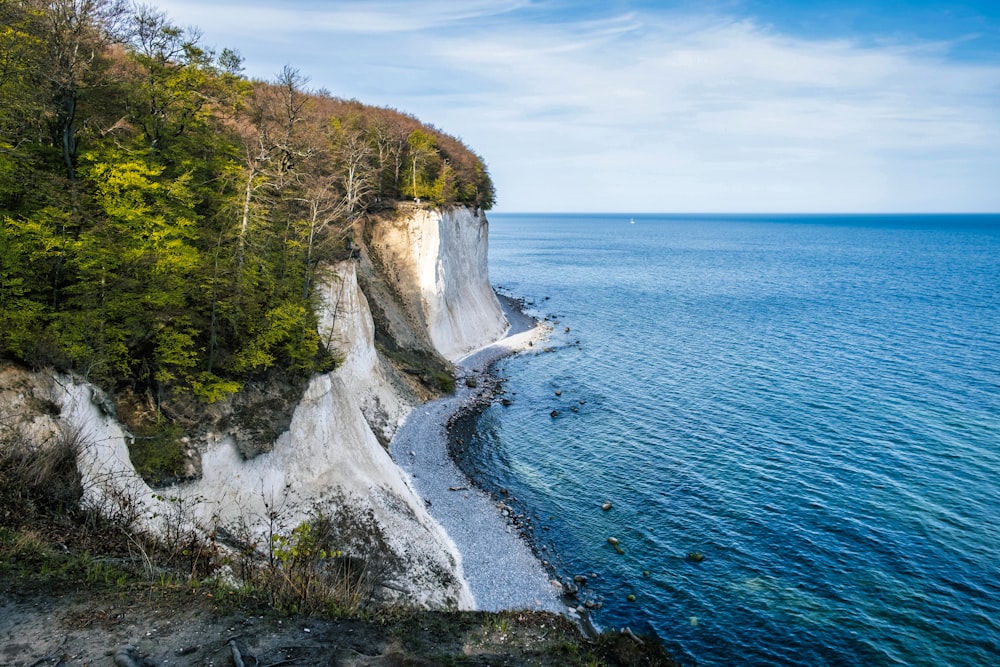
794,418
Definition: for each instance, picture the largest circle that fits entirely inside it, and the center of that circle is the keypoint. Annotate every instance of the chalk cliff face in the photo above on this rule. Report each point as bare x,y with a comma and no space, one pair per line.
330,456
439,261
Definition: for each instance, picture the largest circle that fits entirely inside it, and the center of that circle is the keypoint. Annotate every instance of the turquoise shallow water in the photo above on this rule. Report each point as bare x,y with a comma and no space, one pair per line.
810,402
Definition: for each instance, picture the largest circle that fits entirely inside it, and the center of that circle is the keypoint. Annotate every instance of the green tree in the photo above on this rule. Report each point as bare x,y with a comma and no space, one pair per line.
22,103
479,189
422,157
162,218
445,189
134,267
22,315
170,93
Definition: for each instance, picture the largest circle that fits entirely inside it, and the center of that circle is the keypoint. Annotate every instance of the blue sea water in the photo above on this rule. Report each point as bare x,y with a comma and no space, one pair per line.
812,403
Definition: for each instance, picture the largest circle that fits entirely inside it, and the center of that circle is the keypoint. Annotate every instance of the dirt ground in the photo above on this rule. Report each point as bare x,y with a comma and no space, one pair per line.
182,628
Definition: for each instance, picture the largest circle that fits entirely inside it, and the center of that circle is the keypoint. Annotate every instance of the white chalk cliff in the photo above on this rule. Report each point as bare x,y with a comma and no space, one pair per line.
330,452
439,261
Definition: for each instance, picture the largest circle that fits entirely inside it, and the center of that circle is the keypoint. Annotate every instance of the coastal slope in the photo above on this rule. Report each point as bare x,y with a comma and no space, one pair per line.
330,458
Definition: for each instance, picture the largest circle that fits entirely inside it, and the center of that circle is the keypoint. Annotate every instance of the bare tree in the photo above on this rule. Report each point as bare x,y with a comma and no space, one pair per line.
354,159
77,32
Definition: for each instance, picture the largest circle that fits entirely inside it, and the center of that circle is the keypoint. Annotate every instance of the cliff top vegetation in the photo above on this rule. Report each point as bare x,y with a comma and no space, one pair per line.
162,216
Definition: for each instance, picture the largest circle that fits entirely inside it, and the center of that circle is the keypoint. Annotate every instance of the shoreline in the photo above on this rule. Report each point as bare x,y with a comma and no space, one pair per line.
500,567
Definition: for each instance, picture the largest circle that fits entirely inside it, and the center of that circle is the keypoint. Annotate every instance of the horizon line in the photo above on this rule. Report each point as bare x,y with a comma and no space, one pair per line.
810,213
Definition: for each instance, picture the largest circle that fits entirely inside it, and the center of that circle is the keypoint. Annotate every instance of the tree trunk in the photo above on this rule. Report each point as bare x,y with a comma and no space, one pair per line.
245,222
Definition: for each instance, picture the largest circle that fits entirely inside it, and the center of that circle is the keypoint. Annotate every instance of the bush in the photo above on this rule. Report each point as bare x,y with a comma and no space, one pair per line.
36,481
158,453
334,562
445,381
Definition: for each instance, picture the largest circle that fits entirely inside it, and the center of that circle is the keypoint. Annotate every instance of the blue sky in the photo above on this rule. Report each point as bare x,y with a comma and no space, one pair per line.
640,106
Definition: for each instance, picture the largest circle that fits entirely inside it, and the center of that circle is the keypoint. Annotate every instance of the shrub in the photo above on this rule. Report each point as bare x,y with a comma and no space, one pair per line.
333,562
157,452
35,480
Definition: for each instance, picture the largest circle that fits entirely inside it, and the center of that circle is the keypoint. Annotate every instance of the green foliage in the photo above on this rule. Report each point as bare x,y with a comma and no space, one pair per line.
445,381
304,570
157,452
162,218
445,188
422,164
21,315
284,331
211,388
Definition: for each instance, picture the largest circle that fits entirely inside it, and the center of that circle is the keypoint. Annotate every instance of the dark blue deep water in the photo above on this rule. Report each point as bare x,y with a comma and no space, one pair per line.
810,402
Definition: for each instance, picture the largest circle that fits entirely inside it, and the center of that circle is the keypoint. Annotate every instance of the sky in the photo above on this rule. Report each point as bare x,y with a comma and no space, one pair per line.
638,106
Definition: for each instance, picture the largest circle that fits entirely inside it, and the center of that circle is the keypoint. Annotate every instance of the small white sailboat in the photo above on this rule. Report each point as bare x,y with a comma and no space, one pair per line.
631,221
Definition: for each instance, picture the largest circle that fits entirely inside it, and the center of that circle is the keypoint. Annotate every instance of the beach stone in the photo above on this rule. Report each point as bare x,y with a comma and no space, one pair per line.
558,392
505,402
696,556
580,579
554,414
606,506
631,598
613,541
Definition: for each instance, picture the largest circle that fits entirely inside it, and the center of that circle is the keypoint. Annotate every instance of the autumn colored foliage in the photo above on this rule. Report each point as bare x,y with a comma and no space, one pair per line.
162,216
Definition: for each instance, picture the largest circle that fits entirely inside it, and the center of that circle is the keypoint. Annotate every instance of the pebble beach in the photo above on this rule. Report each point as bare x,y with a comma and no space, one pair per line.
499,566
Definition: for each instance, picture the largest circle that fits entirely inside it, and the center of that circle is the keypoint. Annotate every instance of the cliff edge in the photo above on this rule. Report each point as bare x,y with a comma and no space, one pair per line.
438,262
428,272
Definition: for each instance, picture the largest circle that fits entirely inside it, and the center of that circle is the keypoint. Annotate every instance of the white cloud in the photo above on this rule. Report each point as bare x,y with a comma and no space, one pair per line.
653,111
348,17
733,117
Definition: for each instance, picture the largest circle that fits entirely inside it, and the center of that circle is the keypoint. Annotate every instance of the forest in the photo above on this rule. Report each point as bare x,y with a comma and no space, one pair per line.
162,216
